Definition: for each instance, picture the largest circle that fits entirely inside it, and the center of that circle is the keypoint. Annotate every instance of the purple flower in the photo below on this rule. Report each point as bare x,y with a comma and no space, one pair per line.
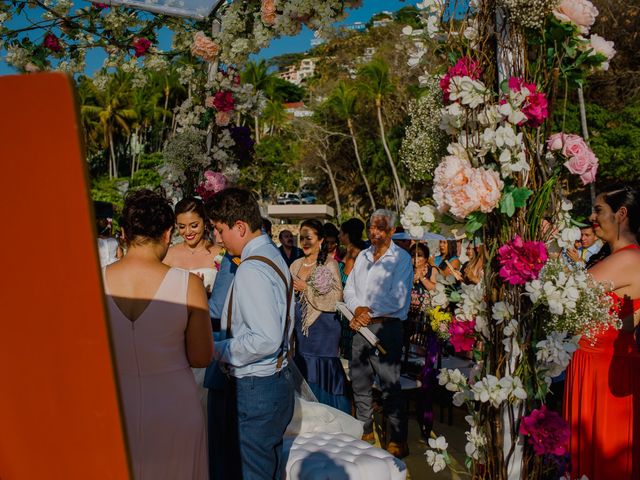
521,261
548,432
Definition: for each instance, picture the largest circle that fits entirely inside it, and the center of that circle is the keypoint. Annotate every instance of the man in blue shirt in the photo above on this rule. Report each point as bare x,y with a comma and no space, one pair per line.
255,331
378,292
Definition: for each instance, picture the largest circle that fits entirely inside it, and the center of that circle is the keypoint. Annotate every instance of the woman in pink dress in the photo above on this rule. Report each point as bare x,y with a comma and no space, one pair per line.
160,327
602,394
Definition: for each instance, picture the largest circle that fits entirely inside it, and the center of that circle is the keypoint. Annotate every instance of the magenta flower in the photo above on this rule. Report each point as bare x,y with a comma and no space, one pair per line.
224,101
535,106
462,335
465,67
100,6
548,432
52,43
213,183
141,46
521,261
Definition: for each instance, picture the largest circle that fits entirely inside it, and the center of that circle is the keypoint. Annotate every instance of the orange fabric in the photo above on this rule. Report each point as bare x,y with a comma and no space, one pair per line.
602,405
59,413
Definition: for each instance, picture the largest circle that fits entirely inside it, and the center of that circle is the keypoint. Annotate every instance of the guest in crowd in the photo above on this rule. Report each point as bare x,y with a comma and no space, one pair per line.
316,280
447,260
256,328
109,249
287,248
266,227
424,275
378,292
331,239
603,378
472,271
195,253
167,309
351,239
402,240
589,246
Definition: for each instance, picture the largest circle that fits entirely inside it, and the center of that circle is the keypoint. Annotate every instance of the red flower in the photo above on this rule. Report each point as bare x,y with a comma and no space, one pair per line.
548,432
223,101
462,335
52,43
100,6
141,46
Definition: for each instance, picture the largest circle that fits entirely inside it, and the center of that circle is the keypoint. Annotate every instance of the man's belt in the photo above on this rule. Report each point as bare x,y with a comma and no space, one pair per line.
377,320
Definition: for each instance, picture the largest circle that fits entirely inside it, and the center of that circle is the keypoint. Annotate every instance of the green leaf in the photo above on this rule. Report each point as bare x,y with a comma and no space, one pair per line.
475,221
507,204
520,196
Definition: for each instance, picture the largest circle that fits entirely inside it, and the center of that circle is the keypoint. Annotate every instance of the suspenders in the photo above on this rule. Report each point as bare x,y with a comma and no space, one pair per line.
289,289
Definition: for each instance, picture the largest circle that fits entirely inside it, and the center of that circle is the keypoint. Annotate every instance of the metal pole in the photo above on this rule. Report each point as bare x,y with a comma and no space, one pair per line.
585,135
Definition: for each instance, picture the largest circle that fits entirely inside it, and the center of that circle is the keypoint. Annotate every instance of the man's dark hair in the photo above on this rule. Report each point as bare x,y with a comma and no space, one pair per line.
232,205
266,225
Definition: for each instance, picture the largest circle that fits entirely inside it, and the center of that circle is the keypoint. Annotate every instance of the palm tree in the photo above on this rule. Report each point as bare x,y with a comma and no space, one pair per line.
257,74
343,103
274,116
112,110
376,83
145,103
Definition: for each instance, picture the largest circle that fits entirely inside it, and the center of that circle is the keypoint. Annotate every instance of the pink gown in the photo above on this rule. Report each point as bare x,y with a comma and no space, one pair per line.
164,420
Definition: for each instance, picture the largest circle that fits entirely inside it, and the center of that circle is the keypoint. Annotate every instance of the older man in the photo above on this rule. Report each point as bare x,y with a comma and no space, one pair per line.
378,291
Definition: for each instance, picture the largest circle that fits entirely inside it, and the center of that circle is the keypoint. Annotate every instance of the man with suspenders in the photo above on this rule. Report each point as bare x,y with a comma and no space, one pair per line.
256,325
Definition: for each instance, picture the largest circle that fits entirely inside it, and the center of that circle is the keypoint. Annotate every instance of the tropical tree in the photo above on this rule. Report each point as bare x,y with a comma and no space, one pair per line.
111,110
257,74
343,103
376,83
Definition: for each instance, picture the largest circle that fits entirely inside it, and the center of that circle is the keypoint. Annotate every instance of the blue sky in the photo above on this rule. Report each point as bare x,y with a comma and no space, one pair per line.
299,43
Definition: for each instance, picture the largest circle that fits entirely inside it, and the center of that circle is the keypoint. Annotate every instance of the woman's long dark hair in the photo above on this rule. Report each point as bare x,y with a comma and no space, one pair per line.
316,226
452,251
354,228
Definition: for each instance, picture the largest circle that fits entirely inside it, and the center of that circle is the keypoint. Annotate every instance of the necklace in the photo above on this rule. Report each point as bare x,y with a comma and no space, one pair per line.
308,264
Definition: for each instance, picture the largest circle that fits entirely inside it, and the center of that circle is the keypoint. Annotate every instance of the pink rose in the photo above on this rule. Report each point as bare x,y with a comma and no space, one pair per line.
603,47
556,141
590,175
268,12
581,13
584,164
223,118
204,47
573,145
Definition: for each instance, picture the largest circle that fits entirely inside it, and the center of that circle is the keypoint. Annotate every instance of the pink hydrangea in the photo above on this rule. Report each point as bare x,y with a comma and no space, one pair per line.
535,107
580,159
462,335
521,261
548,432
465,67
141,46
52,43
213,183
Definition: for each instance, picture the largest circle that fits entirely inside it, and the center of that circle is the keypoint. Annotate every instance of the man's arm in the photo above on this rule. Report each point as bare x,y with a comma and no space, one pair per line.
255,301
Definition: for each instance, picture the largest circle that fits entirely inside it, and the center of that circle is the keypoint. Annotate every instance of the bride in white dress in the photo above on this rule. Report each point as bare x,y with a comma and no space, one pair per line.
195,253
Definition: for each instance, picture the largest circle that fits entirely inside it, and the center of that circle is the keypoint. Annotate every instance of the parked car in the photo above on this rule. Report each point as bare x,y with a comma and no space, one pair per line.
307,198
288,198
308,188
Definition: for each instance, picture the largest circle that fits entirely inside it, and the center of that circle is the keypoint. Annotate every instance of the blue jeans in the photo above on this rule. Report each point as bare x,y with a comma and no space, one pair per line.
265,408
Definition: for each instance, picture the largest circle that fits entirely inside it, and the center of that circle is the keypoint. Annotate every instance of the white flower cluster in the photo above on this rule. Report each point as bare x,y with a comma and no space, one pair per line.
455,381
424,142
495,390
188,115
529,13
576,303
472,305
554,353
437,458
476,440
415,217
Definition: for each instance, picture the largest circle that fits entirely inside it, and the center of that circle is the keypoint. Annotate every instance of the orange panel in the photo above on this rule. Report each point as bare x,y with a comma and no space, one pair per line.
59,410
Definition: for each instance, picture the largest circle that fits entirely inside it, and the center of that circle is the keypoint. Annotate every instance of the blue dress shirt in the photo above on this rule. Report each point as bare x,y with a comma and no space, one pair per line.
383,286
258,316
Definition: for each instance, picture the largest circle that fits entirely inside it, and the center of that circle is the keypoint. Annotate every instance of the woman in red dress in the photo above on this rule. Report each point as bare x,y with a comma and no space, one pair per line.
602,395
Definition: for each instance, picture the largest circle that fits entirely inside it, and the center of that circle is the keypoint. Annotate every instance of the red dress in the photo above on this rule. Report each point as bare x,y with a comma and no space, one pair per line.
602,404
